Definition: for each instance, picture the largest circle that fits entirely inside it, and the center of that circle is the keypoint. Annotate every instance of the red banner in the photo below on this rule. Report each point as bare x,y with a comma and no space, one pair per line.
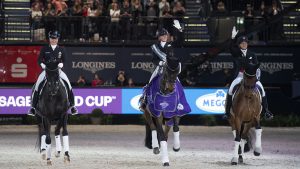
19,64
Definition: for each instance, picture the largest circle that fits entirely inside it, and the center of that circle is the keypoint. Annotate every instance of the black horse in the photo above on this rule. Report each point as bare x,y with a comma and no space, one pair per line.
53,106
166,103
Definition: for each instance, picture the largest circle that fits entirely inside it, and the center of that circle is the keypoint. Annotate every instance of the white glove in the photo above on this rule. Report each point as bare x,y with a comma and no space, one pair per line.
60,65
43,66
234,32
177,25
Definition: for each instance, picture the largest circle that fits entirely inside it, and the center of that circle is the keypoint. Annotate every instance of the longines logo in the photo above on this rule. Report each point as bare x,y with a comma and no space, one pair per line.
147,66
217,66
272,67
93,66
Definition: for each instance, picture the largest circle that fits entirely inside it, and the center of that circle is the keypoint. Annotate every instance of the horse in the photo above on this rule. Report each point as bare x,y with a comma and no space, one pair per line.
165,103
245,114
53,106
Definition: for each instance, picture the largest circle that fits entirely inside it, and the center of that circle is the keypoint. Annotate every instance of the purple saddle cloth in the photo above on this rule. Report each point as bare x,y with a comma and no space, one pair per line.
170,105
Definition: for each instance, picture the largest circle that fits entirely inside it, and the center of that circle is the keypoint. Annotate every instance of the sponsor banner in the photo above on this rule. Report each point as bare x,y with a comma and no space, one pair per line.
114,101
202,101
17,101
19,64
109,100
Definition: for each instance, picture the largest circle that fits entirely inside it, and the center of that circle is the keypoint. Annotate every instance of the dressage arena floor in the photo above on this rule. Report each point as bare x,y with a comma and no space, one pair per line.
114,147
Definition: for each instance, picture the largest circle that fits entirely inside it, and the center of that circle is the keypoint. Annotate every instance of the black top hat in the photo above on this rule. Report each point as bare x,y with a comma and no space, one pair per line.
163,32
242,39
53,35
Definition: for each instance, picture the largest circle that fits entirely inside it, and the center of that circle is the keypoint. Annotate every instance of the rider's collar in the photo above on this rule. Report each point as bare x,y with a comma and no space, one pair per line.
53,46
162,43
244,51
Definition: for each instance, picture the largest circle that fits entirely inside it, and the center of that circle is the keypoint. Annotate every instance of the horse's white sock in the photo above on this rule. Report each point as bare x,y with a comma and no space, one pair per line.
154,139
48,150
234,133
243,142
164,151
58,143
66,143
258,138
176,140
43,142
236,149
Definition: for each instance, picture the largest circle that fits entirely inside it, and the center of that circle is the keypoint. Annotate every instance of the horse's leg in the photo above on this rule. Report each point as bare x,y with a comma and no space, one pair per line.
65,138
42,135
176,146
48,140
258,131
163,141
153,136
244,134
237,124
57,137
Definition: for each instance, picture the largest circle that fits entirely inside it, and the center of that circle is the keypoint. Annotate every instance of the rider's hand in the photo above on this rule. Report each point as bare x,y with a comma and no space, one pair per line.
234,32
177,25
43,65
60,65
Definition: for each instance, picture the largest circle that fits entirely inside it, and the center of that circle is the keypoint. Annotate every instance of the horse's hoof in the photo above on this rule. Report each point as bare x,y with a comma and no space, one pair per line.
67,157
49,162
241,159
57,154
234,161
156,150
256,153
166,164
176,149
43,153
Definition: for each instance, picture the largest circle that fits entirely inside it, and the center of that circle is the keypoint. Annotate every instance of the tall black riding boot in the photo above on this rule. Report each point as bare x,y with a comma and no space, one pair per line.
265,110
34,102
74,110
228,106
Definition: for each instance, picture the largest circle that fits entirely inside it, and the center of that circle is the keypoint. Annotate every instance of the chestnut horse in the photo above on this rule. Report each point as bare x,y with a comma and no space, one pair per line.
245,113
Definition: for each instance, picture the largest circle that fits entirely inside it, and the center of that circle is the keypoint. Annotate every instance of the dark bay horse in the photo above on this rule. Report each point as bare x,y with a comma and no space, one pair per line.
53,106
166,103
245,112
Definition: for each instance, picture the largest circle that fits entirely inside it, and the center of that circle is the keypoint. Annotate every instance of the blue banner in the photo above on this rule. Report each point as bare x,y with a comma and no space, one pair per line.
202,101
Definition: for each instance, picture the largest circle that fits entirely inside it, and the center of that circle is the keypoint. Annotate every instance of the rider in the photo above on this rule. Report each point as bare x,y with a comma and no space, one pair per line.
159,53
244,57
49,53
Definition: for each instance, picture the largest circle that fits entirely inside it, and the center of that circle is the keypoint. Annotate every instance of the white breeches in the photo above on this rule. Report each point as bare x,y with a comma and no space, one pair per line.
42,76
239,78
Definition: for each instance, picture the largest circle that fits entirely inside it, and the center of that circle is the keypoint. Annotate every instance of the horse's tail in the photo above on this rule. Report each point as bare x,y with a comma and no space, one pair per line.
148,137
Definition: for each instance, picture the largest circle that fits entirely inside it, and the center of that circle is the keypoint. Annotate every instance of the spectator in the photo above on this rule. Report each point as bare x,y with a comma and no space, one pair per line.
220,9
76,11
137,13
276,30
97,81
121,79
152,14
60,7
49,11
114,21
81,81
130,82
179,11
249,17
204,9
125,20
163,4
